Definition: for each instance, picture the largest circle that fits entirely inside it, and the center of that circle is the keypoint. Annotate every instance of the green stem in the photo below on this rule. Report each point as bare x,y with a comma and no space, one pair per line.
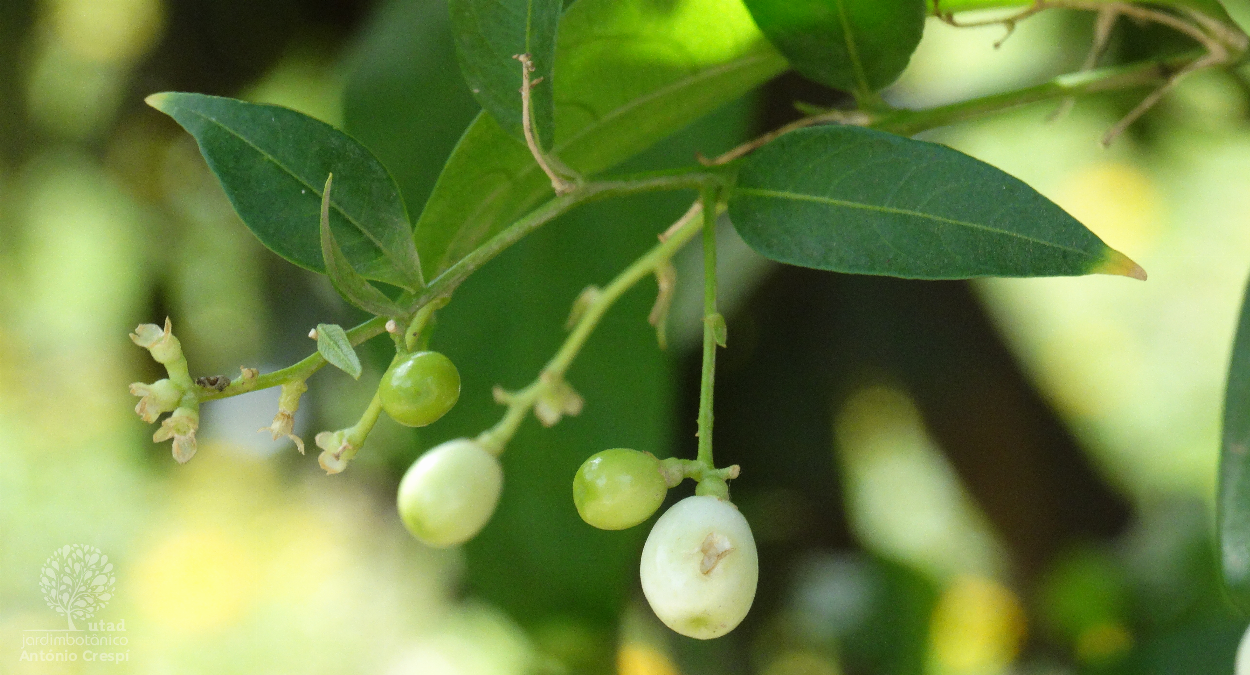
710,315
301,370
953,6
419,321
904,122
443,286
447,282
520,403
1146,73
710,483
909,122
357,434
675,470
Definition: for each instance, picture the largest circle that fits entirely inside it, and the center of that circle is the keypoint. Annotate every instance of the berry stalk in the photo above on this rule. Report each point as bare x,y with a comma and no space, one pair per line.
550,382
713,335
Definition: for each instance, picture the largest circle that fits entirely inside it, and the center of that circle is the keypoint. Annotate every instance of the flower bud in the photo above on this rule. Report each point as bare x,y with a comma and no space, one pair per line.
336,450
181,426
284,422
556,401
159,397
164,347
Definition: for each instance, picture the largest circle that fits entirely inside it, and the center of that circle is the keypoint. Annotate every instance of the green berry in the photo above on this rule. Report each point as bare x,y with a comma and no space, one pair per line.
450,492
419,388
699,567
618,488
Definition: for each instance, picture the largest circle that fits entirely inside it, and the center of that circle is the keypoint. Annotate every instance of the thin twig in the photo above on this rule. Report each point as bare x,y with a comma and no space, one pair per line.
551,377
1008,22
1107,17
1149,102
561,185
1223,43
1233,37
851,117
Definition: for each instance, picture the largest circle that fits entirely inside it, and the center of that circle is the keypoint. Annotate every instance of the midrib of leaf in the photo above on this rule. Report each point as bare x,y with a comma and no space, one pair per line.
852,49
301,181
781,194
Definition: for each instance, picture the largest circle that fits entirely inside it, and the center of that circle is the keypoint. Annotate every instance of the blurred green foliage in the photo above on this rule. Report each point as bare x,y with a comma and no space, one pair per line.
1060,434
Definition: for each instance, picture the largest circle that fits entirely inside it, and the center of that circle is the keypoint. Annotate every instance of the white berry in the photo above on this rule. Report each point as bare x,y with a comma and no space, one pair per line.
699,567
1242,664
450,492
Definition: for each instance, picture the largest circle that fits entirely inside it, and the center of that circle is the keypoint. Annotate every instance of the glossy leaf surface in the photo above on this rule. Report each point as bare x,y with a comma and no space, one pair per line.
852,45
489,34
272,162
630,72
848,199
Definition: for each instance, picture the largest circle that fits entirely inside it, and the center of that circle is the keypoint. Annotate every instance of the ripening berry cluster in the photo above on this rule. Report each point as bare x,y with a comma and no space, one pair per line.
699,566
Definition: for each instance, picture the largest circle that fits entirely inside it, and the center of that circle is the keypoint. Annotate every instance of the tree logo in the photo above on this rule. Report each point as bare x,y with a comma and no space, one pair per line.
77,581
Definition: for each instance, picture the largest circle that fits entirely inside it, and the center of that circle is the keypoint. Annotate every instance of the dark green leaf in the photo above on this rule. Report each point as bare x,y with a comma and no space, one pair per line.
271,162
332,343
630,73
355,288
855,200
852,45
1233,511
489,33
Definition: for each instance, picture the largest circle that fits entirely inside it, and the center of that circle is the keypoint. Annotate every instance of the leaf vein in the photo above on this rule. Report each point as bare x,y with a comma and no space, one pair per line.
781,194
291,172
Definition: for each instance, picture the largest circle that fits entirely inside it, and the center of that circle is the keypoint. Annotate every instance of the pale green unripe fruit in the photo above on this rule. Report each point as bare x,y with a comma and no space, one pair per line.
699,567
450,492
618,488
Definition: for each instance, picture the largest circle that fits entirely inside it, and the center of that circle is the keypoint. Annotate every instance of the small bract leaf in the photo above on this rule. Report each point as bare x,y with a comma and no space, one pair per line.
666,287
852,45
848,199
720,333
1233,508
347,281
271,160
333,344
489,33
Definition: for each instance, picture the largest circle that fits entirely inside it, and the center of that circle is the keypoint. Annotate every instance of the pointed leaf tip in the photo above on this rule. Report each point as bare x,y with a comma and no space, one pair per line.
157,100
269,160
1117,263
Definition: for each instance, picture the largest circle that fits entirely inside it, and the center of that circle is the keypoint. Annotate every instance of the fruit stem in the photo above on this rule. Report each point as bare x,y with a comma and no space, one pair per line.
299,371
713,327
676,470
420,320
521,402
357,434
